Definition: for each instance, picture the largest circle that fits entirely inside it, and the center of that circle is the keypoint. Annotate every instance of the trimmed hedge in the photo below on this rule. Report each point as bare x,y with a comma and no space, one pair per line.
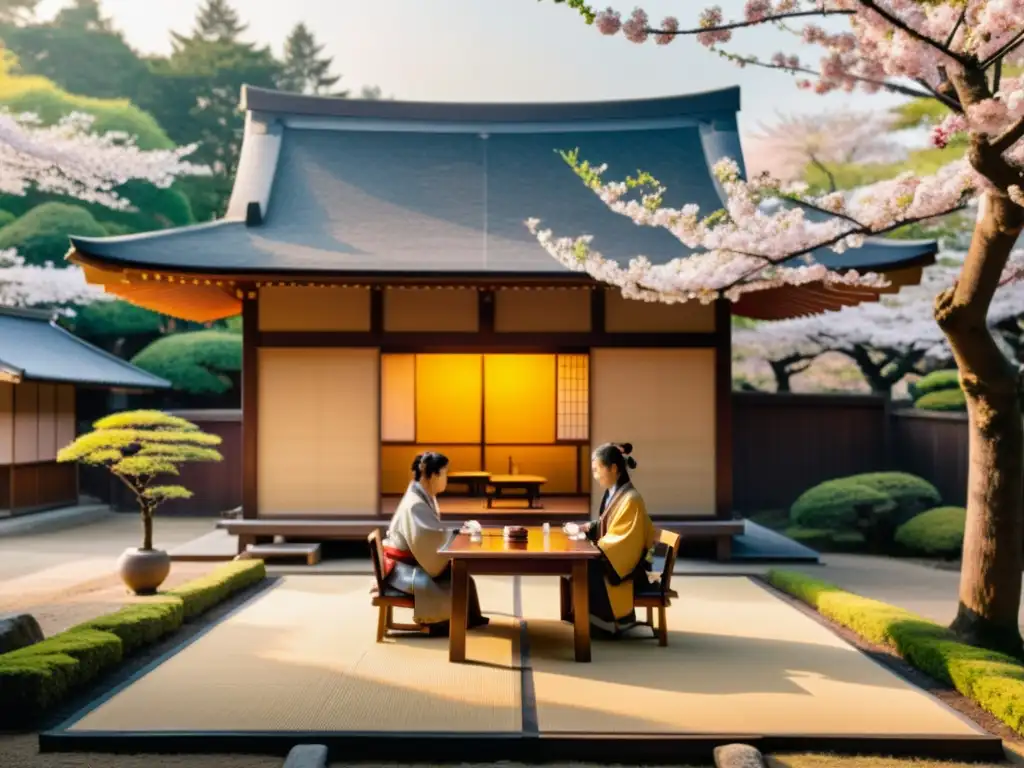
936,381
993,680
36,678
201,594
942,400
938,531
869,501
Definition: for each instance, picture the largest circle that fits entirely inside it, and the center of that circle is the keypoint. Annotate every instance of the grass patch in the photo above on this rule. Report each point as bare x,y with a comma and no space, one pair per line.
35,679
992,680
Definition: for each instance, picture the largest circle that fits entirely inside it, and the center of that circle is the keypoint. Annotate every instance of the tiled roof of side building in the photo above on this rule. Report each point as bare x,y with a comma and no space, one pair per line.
34,348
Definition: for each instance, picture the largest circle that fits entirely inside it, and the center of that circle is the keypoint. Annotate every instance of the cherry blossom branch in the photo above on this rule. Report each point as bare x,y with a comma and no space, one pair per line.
794,69
1009,137
901,25
68,159
669,31
1004,51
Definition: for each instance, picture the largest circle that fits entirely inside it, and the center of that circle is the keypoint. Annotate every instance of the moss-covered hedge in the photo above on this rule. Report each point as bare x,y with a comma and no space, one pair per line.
938,531
198,362
35,679
936,381
994,681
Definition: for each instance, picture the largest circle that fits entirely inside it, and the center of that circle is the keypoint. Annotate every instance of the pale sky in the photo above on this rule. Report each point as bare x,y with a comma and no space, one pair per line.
501,50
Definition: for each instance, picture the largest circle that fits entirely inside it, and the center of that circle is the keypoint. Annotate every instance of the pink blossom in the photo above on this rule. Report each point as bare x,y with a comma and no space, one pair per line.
757,10
635,27
25,285
712,17
669,25
608,22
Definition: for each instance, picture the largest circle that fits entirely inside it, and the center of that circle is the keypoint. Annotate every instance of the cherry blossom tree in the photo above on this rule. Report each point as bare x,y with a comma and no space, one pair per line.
28,285
68,159
954,53
784,149
885,340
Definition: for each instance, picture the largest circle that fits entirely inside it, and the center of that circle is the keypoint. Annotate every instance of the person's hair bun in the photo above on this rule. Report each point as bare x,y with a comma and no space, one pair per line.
627,448
631,462
416,462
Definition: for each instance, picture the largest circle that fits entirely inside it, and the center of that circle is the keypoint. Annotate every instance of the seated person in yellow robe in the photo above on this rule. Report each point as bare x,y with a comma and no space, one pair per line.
625,535
412,563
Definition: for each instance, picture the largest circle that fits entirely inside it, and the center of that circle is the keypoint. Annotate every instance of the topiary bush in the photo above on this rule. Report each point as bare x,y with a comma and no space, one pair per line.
912,494
935,381
873,504
199,362
938,531
950,400
41,235
838,505
138,625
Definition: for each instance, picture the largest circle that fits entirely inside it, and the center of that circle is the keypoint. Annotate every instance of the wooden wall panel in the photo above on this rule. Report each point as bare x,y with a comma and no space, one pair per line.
305,308
431,310
632,316
538,311
26,423
662,401
47,422
6,426
66,425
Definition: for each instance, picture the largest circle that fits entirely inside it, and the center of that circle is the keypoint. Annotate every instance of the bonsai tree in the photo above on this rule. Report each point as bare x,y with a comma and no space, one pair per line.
138,447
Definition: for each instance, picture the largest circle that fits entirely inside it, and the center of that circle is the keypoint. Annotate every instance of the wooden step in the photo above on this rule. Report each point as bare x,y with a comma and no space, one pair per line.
311,551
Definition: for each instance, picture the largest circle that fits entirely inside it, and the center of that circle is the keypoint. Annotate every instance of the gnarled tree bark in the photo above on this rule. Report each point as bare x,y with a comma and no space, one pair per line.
990,580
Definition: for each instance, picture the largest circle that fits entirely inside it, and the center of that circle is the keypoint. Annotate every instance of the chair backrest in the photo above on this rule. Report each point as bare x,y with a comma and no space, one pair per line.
665,550
377,558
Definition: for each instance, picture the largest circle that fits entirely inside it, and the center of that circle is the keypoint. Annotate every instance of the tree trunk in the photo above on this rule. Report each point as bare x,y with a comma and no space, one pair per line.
990,579
781,370
147,529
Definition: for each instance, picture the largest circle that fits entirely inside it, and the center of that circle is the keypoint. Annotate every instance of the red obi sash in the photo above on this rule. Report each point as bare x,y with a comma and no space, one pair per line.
393,556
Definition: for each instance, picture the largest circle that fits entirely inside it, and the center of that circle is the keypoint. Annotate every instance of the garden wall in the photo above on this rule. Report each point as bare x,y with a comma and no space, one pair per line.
783,444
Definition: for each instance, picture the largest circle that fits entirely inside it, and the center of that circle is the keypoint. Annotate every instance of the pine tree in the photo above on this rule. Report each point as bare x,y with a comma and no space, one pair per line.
304,69
216,22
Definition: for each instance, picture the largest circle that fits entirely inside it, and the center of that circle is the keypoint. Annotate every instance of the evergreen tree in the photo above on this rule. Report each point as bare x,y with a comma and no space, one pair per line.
216,21
305,71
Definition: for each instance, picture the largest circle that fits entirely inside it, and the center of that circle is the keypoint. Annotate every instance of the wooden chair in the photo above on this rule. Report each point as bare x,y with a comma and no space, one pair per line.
659,594
386,599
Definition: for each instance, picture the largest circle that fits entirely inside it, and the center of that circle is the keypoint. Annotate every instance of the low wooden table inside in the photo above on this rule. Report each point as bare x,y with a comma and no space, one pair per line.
529,484
491,555
475,482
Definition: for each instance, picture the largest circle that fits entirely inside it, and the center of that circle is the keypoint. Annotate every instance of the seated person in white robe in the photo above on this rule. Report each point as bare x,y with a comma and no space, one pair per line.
411,561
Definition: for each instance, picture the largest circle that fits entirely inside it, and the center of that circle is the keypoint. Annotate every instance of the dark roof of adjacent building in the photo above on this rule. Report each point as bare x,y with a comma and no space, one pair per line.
33,347
345,187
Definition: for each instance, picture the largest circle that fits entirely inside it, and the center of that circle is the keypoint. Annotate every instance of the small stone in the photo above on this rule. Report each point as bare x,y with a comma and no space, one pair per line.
738,756
18,630
307,756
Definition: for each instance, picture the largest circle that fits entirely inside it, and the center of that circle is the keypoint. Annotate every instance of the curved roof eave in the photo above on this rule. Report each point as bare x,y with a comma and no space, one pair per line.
725,100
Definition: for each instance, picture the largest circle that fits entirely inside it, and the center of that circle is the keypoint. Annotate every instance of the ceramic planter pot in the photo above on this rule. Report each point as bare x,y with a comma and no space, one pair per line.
144,570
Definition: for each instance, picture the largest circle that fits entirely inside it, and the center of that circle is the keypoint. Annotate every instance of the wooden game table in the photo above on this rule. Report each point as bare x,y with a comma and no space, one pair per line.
491,555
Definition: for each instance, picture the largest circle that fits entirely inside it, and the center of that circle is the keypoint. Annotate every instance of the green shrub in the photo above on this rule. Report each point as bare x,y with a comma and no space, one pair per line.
200,362
36,678
199,595
139,624
912,494
994,681
41,235
938,531
6,217
837,505
33,684
942,400
936,381
93,651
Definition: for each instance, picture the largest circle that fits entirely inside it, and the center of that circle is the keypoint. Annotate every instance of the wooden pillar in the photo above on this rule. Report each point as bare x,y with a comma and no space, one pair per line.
723,410
250,405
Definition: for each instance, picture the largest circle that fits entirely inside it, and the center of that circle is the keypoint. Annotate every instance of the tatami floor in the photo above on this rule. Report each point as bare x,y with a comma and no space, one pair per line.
302,656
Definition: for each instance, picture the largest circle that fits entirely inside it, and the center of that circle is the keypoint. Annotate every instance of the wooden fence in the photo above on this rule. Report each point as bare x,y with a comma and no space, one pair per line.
783,444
